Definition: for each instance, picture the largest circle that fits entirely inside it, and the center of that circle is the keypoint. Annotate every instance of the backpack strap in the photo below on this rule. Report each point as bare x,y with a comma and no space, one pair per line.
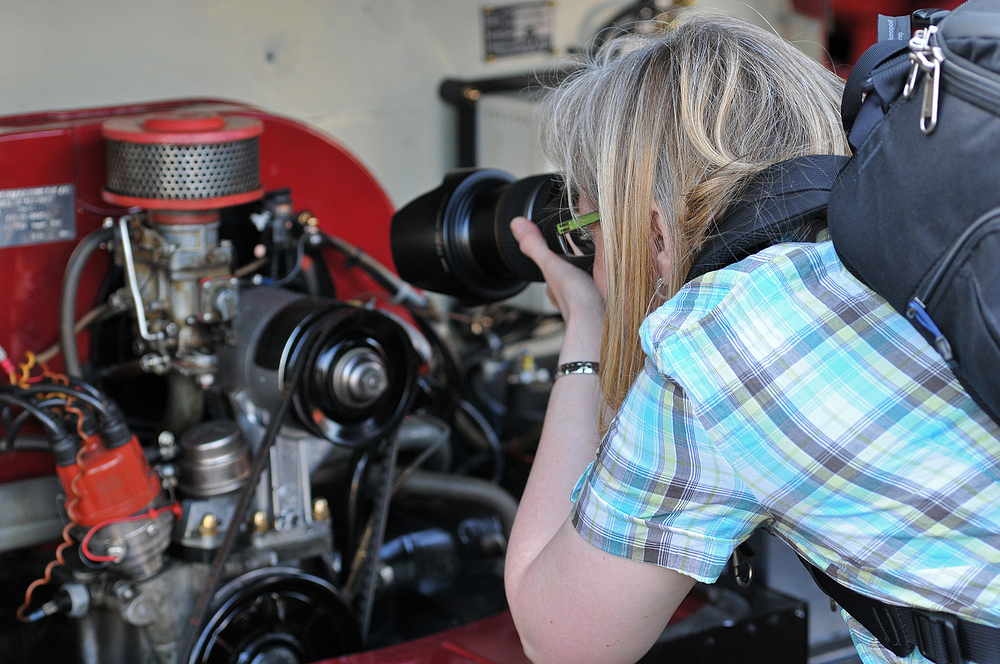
941,637
778,200
858,81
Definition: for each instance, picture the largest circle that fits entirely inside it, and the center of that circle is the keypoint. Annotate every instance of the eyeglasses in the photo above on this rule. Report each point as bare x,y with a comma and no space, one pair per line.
574,236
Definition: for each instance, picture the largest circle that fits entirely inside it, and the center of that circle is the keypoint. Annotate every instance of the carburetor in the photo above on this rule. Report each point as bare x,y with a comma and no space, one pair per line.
181,168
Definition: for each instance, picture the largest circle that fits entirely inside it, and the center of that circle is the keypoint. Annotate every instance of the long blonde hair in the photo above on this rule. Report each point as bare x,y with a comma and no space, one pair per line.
683,121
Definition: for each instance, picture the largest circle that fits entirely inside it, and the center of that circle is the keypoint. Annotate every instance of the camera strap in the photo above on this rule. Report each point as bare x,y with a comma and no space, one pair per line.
778,201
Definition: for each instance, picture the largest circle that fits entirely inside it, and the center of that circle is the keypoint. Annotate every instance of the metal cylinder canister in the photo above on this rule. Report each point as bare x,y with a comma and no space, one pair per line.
214,459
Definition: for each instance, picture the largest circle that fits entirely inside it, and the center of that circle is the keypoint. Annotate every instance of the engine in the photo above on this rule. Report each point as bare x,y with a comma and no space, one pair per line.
230,432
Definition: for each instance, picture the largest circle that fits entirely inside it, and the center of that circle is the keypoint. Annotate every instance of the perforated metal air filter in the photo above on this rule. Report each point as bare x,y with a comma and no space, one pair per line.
182,161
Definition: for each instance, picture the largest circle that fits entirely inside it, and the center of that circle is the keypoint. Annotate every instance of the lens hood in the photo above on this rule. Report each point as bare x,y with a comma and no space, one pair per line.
457,240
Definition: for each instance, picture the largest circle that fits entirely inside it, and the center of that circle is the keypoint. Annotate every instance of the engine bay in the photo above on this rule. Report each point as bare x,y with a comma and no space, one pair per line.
266,446
233,434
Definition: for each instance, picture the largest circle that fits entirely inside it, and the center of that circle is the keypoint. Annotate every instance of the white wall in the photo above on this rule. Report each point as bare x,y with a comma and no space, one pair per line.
365,71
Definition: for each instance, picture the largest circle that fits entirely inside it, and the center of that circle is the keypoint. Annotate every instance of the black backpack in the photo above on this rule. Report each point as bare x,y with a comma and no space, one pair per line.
915,215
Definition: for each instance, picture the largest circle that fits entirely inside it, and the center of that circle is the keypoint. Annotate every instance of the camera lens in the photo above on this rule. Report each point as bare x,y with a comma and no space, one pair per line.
456,239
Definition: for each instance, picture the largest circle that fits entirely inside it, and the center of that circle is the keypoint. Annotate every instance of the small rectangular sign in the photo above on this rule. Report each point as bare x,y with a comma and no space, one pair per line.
518,29
36,215
893,28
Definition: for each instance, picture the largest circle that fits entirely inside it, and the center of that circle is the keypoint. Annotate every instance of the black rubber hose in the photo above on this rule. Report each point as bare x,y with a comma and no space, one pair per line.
67,305
460,488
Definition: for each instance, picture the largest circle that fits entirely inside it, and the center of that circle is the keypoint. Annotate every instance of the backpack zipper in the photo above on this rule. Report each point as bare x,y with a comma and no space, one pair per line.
943,271
929,54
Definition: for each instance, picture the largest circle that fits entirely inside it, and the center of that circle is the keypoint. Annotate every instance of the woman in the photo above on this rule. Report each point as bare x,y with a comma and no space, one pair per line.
778,392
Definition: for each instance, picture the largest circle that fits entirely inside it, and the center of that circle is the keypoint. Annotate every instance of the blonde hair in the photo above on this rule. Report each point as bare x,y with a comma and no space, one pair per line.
681,121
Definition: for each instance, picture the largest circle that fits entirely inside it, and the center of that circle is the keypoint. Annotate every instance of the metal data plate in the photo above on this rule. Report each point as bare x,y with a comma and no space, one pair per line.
518,29
37,215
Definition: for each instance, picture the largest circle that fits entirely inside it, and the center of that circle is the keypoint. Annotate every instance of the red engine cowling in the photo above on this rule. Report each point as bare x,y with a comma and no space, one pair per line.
53,164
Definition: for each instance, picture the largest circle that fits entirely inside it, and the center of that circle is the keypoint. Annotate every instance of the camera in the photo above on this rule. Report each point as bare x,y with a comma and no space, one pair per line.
456,239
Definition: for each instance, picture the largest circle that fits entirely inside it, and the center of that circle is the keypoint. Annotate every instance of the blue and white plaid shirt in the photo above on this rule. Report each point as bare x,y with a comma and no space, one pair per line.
781,392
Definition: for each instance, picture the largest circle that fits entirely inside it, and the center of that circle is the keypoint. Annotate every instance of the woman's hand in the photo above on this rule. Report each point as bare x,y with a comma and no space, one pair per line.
570,289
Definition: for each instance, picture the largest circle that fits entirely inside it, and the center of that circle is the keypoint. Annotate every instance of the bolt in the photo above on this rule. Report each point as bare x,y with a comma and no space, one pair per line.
387,575
124,592
261,524
321,509
117,550
167,444
209,525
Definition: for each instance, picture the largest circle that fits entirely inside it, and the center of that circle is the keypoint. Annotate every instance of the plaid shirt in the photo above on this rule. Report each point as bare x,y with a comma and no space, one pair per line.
781,392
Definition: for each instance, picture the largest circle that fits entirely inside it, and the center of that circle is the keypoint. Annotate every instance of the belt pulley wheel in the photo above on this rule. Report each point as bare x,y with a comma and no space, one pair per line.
276,616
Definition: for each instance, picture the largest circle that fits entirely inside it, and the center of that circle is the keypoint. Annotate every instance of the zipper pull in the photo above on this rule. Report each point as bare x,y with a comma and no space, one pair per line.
916,310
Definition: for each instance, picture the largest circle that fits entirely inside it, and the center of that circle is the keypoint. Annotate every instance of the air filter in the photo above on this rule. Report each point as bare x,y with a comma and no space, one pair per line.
182,161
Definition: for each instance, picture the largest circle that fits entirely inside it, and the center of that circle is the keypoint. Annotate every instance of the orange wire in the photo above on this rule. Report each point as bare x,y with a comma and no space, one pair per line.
70,408
66,543
26,367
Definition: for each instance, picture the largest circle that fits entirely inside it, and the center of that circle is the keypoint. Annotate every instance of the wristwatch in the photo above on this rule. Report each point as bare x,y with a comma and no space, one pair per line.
570,368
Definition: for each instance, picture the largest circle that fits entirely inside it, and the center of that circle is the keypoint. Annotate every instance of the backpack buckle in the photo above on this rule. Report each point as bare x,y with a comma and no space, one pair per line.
937,636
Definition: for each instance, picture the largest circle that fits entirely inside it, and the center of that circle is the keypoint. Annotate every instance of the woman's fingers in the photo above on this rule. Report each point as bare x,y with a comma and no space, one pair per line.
565,283
529,239
533,245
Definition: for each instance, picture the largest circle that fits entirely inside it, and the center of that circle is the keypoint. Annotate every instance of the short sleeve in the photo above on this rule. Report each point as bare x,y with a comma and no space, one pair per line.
659,492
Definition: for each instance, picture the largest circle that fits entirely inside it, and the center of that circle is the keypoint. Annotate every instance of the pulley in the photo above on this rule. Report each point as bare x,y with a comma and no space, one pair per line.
360,366
276,616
